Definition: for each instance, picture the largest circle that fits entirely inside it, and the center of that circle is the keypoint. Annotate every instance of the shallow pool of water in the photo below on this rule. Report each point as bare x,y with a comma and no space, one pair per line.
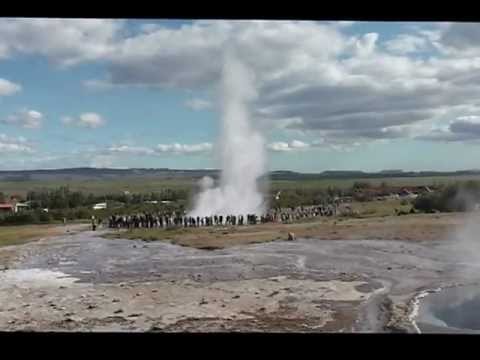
451,310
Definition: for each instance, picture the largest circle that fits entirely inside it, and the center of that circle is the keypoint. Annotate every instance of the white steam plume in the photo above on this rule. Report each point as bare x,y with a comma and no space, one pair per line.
241,147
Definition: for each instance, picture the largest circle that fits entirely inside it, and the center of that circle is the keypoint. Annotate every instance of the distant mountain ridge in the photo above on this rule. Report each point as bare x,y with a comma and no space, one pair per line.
86,173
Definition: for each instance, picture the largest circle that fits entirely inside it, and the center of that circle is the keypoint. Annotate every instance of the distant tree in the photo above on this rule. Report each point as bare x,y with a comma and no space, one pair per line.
454,197
358,185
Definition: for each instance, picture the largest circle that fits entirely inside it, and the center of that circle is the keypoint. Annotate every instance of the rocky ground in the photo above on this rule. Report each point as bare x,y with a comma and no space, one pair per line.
84,282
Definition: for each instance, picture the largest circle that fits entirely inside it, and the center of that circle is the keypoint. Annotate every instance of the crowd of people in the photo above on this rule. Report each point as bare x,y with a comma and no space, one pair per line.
168,220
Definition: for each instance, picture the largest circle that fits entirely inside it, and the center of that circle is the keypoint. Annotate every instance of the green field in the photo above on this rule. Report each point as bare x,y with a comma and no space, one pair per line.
348,183
14,235
147,185
97,187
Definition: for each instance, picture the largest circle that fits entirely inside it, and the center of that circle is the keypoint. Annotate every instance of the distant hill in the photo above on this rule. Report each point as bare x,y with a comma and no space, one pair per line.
98,173
164,173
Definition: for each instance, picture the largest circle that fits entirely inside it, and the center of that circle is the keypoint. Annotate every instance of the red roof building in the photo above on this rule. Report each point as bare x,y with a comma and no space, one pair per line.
7,207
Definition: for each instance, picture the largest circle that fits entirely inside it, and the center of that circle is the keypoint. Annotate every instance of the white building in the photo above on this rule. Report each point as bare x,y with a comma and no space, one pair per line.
100,206
21,206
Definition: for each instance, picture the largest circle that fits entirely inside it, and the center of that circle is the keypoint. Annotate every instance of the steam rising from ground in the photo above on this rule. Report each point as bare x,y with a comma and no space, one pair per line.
466,237
241,148
467,245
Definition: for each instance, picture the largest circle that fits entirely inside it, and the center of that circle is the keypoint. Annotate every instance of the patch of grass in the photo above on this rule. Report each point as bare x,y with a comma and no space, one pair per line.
348,183
14,235
98,186
152,184
379,208
201,238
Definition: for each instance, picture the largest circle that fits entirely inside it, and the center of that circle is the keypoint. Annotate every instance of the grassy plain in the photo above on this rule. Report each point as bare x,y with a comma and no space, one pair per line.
147,184
408,228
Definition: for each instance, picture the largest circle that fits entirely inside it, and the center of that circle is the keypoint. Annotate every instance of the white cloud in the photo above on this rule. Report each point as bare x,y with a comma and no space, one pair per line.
91,120
87,120
307,87
192,149
406,43
148,28
14,145
345,23
297,144
28,119
63,41
67,120
460,39
191,56
133,150
96,84
8,87
366,45
281,146
198,104
463,128
348,88
184,148
175,148
470,118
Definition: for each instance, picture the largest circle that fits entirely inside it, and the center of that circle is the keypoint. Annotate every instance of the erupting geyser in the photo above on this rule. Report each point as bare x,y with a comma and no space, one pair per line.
241,148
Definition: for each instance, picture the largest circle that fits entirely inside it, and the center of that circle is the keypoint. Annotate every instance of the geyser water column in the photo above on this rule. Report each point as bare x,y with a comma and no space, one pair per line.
241,147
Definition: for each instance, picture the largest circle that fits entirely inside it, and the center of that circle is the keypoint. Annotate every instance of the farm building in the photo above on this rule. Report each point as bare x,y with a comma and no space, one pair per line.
7,208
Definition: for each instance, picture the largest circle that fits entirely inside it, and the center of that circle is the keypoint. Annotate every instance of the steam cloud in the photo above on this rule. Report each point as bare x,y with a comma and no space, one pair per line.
241,147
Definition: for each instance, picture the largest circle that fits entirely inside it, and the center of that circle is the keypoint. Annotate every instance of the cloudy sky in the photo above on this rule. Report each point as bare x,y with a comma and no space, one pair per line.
332,95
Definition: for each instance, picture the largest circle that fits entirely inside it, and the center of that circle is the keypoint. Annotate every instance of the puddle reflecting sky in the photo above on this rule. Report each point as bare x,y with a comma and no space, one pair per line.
457,308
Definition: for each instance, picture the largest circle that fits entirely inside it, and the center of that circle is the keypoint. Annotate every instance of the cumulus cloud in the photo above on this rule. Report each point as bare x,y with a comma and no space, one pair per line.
344,85
175,148
87,120
133,150
460,39
8,87
9,145
190,56
198,104
281,146
28,119
63,41
407,43
338,144
463,128
348,87
184,148
366,44
193,149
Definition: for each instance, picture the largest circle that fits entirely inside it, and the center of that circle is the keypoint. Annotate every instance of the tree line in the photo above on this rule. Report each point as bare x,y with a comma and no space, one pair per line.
64,198
455,197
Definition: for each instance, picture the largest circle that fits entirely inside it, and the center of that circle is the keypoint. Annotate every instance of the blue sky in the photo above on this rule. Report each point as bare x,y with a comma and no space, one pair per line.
112,93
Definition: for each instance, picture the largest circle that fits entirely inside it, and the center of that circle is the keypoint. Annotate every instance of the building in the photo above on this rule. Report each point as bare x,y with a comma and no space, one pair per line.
19,207
406,193
100,206
14,207
6,208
